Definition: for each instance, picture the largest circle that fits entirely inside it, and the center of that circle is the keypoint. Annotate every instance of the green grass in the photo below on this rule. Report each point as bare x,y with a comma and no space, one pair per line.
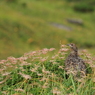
36,73
23,29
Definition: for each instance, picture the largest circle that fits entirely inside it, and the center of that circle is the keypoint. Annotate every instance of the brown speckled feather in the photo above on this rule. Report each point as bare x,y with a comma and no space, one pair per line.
74,64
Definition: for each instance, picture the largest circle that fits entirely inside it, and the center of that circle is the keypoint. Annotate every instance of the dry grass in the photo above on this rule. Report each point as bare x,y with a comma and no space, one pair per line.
37,73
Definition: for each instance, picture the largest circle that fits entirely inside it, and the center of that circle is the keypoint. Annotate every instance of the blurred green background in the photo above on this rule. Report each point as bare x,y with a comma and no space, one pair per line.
27,25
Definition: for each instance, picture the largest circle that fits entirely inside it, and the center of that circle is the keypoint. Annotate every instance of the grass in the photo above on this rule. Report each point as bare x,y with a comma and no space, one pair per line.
36,73
23,28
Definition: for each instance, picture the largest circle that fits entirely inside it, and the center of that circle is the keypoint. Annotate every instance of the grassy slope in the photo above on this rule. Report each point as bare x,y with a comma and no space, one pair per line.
25,28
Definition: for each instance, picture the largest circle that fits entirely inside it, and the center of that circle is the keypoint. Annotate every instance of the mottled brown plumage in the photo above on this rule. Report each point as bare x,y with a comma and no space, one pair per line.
74,64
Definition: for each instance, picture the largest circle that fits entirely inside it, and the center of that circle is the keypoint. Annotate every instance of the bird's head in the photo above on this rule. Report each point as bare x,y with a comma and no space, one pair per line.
73,47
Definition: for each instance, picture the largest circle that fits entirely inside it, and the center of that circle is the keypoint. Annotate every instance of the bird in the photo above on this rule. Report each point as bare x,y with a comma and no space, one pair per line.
74,64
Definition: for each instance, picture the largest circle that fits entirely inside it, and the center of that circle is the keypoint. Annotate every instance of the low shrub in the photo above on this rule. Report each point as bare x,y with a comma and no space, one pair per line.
83,7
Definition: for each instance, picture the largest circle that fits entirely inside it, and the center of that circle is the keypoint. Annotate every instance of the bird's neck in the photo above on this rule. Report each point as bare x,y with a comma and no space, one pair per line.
74,53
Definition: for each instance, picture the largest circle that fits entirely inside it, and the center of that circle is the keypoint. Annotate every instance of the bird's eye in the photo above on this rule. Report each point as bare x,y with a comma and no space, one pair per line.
71,45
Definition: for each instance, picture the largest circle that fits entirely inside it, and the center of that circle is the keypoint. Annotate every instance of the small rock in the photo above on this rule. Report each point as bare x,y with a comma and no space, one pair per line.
75,21
61,26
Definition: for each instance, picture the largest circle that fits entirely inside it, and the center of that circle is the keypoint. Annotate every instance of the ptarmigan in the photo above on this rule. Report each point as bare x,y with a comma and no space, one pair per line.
74,64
